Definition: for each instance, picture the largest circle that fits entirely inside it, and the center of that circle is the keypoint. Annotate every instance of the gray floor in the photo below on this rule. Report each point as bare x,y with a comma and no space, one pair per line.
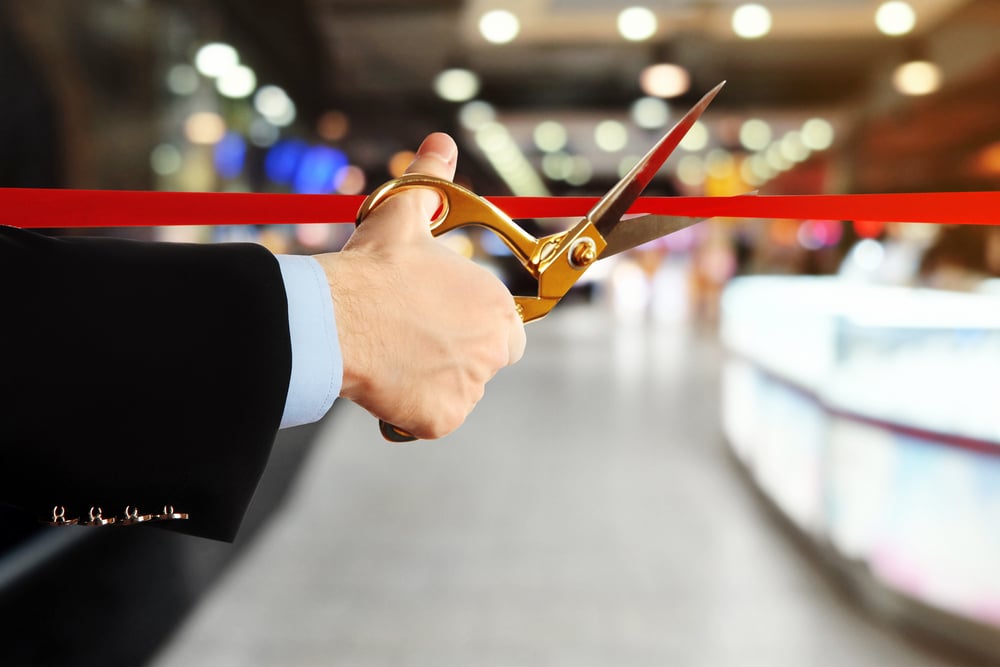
586,514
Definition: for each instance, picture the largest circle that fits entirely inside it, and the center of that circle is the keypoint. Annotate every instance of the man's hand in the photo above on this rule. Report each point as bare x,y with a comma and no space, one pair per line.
421,328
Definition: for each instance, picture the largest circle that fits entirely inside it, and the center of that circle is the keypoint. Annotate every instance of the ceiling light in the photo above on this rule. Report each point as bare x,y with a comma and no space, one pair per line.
503,153
550,136
755,134
215,59
751,21
775,159
917,78
473,115
817,134
691,170
610,136
793,148
499,26
665,80
557,166
456,84
696,139
650,113
750,175
895,17
581,171
719,164
760,167
636,24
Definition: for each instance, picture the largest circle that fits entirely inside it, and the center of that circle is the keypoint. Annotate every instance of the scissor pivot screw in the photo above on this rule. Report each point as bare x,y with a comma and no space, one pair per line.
583,253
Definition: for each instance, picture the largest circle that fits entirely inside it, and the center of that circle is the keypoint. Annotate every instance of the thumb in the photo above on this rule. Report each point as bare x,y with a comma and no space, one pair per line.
437,156
410,211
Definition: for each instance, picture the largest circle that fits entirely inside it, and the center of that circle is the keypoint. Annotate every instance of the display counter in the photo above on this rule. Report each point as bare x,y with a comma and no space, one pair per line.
870,416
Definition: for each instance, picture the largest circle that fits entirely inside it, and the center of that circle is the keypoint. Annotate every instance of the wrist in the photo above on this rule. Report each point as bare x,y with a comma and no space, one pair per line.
347,294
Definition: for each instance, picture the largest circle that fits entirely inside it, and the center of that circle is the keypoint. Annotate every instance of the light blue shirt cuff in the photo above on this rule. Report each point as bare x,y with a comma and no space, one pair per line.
317,364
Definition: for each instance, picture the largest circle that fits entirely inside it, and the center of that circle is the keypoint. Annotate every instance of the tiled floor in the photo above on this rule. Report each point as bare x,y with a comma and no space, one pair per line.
586,514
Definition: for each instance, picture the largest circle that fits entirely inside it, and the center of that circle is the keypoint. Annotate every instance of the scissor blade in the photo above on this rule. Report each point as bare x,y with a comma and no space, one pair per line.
607,212
636,231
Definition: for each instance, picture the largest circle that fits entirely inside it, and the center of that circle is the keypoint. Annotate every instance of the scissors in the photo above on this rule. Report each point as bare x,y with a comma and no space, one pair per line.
556,261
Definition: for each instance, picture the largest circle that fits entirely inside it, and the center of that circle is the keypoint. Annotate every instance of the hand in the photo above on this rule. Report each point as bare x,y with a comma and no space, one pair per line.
422,329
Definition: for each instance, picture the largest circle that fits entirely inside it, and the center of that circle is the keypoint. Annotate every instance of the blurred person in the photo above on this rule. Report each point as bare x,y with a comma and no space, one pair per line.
714,264
154,374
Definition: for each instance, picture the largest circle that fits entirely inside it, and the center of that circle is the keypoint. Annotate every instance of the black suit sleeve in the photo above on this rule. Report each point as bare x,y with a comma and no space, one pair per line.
141,374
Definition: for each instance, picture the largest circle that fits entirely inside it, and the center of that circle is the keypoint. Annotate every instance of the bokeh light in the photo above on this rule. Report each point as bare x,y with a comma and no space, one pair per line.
182,79
792,147
817,134
918,77
636,23
215,59
650,113
350,180
557,166
165,160
282,160
895,18
475,114
318,170
262,133
580,172
229,155
237,82
691,170
273,103
696,139
499,26
719,164
751,21
204,127
399,162
755,134
776,159
610,136
333,125
626,163
664,80
550,136
456,84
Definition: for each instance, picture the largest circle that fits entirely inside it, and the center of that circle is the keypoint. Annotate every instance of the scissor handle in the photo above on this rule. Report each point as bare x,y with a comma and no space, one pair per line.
463,208
459,208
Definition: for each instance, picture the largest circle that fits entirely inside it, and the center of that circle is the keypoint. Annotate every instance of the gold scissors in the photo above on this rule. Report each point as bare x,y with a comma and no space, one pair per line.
556,261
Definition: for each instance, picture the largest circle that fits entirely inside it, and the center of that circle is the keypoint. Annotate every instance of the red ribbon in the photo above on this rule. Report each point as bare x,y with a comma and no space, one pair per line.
35,208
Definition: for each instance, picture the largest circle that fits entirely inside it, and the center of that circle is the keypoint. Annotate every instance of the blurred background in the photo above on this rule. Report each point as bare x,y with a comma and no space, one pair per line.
767,442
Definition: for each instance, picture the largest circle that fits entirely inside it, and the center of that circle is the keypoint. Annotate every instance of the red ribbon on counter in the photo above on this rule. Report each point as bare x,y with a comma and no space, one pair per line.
49,208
